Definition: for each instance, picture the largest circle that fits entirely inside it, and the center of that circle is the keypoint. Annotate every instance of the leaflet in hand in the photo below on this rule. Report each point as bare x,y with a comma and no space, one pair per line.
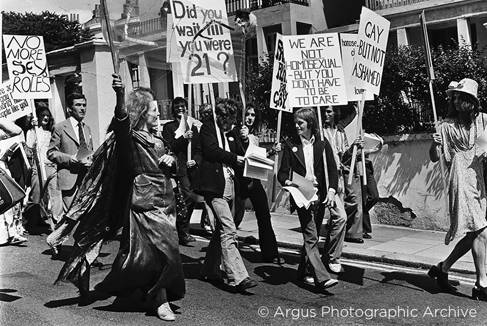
304,193
256,163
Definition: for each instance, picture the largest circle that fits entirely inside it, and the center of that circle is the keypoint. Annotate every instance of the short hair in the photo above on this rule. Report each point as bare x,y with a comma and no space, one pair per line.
226,107
74,96
308,115
177,102
137,104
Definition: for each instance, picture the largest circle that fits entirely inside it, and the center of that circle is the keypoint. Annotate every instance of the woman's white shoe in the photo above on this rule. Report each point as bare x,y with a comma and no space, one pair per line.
165,312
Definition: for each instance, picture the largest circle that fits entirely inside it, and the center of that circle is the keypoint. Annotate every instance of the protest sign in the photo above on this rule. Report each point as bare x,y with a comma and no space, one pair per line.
279,94
314,70
10,108
371,51
210,56
348,43
27,66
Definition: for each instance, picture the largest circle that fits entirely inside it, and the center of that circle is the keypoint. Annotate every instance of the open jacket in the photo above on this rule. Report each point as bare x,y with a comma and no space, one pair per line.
213,158
293,160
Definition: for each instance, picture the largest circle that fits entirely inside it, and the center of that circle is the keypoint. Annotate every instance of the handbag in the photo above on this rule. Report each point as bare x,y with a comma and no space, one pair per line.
10,192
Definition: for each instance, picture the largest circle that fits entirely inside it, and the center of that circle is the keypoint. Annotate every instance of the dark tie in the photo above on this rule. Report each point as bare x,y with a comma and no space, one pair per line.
82,140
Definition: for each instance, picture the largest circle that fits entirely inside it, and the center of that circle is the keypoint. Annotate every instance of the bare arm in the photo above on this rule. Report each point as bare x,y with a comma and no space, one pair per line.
9,129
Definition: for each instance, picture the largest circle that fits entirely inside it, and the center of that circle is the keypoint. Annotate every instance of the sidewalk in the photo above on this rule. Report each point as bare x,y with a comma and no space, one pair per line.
390,244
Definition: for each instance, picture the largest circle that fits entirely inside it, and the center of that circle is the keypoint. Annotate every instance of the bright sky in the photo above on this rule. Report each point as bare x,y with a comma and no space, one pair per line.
82,7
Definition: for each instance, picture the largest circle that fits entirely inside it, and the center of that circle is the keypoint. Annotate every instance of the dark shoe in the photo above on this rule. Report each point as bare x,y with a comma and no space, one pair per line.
186,239
441,277
354,240
327,284
479,293
367,236
247,283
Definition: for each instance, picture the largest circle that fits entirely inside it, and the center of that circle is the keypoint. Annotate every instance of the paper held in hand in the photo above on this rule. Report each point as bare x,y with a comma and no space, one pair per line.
304,193
256,163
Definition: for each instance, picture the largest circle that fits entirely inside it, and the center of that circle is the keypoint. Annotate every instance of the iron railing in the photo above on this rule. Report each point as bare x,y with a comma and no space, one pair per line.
384,4
234,5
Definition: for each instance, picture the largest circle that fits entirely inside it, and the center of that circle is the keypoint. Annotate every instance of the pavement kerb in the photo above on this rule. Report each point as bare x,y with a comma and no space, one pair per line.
378,256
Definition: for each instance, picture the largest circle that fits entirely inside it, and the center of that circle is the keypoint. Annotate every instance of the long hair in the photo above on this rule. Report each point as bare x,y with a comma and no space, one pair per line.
137,104
308,115
470,109
255,128
40,110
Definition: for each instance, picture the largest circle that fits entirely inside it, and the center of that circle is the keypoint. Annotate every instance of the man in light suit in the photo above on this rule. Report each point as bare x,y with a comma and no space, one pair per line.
70,148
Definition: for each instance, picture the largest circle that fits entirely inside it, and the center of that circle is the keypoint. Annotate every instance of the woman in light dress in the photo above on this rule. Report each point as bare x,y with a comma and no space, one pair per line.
466,183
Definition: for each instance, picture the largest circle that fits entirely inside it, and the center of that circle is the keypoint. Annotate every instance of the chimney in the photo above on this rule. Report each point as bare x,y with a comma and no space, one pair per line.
96,12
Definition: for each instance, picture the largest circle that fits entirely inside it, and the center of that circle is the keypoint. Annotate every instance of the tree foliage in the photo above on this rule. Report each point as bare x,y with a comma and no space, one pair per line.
404,104
57,30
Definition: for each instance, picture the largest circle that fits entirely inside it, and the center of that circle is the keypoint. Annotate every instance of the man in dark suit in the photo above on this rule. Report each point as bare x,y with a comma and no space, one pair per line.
217,185
70,148
179,140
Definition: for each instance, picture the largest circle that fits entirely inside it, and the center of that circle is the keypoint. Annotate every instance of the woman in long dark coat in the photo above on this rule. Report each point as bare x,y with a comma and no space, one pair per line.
133,166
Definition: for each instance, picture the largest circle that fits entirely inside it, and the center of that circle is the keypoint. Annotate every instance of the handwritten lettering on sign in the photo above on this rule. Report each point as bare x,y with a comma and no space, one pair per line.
370,52
11,109
348,44
314,70
210,54
279,93
27,66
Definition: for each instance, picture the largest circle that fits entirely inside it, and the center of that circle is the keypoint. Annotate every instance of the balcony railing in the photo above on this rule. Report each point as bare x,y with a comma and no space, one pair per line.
384,4
234,5
146,27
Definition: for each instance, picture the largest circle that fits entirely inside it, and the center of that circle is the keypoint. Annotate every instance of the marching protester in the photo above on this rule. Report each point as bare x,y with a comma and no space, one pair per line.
44,195
218,185
179,140
10,221
134,167
252,189
466,183
70,149
304,156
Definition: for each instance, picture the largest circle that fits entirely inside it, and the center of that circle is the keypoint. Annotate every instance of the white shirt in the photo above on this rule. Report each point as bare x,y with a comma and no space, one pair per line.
308,158
227,171
75,124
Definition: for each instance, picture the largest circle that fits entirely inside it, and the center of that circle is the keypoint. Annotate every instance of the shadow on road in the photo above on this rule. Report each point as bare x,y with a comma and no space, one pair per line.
423,282
5,297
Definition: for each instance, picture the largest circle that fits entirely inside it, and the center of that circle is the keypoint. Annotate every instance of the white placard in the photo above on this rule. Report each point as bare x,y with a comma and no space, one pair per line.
27,66
371,51
10,108
348,43
211,60
314,70
279,93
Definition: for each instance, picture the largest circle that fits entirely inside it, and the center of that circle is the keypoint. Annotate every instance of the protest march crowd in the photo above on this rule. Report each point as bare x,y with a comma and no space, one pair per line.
143,183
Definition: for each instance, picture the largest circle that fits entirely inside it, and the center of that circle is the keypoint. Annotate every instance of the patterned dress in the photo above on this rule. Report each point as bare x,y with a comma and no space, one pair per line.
467,193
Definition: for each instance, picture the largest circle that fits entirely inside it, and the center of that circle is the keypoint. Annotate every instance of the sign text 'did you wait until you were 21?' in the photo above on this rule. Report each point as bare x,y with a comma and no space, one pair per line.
314,70
27,66
210,57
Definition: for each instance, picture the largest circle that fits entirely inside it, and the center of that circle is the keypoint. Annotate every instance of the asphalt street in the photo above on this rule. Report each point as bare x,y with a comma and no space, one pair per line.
368,294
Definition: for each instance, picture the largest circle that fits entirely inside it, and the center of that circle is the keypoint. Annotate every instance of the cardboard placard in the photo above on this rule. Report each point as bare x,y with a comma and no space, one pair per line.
12,109
279,93
314,70
210,56
27,66
371,51
348,43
